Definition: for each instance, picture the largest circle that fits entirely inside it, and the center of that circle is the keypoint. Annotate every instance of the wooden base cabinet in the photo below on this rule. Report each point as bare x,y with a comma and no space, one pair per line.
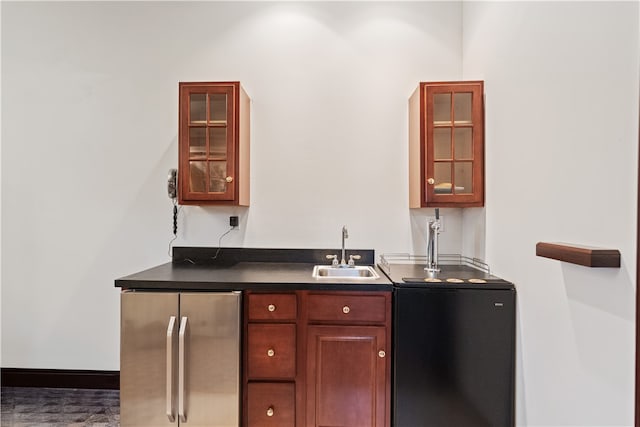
348,370
317,359
270,364
346,376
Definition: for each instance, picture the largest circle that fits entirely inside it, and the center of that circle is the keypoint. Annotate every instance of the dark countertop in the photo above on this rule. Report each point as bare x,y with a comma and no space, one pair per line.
414,275
250,269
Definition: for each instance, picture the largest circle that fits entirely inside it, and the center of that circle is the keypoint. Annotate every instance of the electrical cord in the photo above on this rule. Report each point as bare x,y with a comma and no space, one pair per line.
220,241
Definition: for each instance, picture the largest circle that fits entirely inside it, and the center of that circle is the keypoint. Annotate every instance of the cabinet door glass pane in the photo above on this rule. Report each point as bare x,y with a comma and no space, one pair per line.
217,142
442,143
464,143
462,107
197,177
197,142
217,177
463,177
197,108
442,108
442,177
218,107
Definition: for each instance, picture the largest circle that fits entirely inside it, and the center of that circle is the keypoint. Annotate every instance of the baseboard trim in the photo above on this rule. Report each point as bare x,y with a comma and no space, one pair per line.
60,378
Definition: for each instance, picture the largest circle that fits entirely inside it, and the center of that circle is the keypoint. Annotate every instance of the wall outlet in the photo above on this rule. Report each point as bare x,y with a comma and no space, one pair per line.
233,221
442,222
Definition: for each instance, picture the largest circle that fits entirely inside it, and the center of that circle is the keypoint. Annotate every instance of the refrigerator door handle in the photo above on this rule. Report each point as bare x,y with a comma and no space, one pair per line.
181,369
170,328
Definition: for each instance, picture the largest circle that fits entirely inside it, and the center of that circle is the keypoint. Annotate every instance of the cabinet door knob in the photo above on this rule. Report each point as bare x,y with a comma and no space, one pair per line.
271,352
229,179
271,307
346,309
381,354
431,181
270,411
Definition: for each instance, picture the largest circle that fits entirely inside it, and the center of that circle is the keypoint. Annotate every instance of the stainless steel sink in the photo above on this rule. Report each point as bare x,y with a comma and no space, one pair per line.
352,272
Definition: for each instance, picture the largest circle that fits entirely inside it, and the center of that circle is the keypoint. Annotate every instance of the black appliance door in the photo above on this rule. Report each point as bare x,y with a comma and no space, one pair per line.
454,353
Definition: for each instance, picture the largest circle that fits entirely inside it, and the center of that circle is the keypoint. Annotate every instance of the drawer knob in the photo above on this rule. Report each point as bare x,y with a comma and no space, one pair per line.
346,309
381,354
271,307
271,352
270,411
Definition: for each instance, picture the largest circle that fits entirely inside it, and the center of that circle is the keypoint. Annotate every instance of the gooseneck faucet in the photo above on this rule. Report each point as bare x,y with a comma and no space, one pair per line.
345,235
343,262
433,230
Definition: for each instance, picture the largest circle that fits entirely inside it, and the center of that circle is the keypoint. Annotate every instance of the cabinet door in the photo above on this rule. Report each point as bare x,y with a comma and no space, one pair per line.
208,141
145,323
454,146
211,360
347,376
446,145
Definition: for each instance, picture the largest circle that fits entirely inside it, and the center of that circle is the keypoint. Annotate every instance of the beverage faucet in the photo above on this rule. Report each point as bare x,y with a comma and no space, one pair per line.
433,230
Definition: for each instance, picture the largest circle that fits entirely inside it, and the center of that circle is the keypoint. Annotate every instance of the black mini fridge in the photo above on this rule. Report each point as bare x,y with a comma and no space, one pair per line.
454,355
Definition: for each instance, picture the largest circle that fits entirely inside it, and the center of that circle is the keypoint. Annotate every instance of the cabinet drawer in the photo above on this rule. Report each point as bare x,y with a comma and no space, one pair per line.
271,404
271,351
272,307
347,308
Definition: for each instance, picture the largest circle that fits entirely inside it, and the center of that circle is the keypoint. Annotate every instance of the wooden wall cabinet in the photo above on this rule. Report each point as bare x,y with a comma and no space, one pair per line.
213,144
342,370
446,145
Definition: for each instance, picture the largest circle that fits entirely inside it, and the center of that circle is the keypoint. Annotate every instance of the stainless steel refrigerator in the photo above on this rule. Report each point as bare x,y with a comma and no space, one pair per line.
180,359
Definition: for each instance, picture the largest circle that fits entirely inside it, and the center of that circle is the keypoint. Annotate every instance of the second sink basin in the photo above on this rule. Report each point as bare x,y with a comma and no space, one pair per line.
355,272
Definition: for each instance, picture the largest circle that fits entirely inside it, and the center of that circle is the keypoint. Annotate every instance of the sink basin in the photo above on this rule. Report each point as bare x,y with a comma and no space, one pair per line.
356,272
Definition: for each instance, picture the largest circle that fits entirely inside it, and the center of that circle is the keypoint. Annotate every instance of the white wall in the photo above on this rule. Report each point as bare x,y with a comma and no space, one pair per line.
89,133
561,84
89,101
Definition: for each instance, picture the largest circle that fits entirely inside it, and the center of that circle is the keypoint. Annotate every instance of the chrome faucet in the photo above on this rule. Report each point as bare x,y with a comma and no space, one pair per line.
433,230
343,262
345,235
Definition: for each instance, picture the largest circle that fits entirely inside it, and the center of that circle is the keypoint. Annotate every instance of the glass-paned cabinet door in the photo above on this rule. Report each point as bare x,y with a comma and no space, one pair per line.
210,141
452,143
450,126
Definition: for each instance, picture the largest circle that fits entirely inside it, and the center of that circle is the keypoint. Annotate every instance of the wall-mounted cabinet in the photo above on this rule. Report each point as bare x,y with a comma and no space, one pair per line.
213,143
446,145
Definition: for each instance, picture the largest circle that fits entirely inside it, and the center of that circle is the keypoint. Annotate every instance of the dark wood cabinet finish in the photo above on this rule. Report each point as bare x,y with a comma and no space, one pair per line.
270,359
271,405
213,143
340,367
446,145
271,351
347,376
347,309
272,307
348,366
